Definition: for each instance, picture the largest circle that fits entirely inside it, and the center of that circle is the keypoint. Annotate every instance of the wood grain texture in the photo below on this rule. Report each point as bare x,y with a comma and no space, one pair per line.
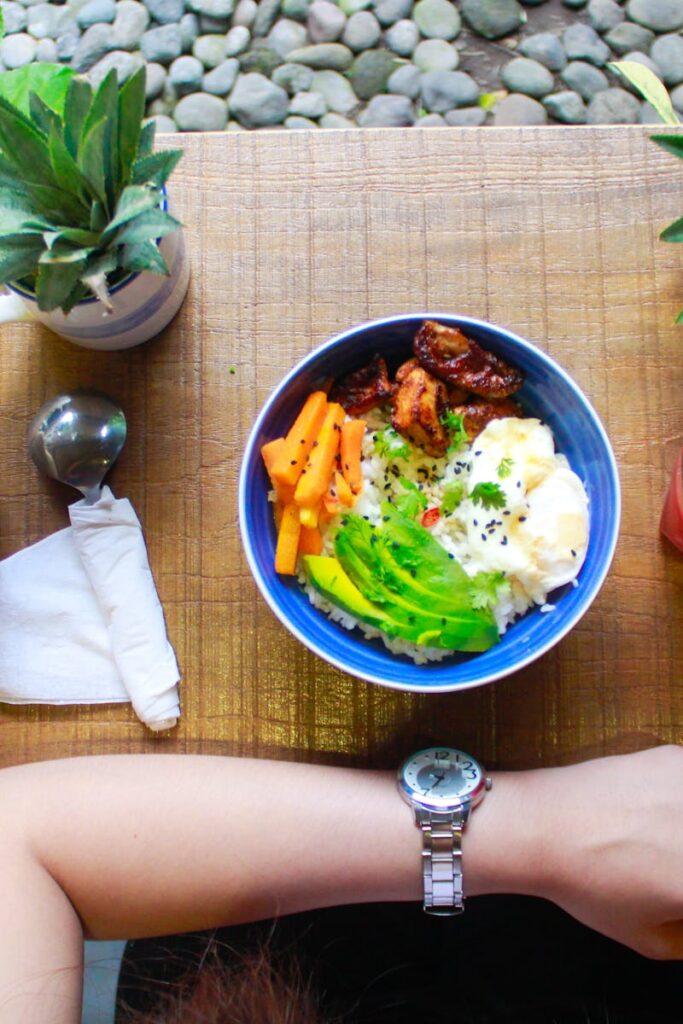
293,237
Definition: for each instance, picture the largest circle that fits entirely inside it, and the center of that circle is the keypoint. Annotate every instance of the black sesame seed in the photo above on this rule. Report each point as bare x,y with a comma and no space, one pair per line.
293,462
395,545
443,622
450,555
519,483
573,553
302,441
483,536
504,541
411,618
366,518
316,443
385,519
478,453
522,519
475,522
507,512
373,538
413,573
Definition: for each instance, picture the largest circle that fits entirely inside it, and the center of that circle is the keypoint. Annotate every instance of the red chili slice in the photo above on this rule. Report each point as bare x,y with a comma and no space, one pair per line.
431,517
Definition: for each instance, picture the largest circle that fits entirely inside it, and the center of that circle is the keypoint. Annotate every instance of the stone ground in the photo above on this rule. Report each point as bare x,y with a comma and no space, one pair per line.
309,64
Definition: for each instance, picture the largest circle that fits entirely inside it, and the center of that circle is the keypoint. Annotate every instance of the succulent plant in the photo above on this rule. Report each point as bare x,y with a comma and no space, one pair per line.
81,190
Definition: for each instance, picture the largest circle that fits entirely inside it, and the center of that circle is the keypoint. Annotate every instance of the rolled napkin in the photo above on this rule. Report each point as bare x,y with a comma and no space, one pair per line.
81,621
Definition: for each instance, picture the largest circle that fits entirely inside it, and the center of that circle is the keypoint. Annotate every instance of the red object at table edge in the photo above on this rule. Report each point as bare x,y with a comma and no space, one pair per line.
671,523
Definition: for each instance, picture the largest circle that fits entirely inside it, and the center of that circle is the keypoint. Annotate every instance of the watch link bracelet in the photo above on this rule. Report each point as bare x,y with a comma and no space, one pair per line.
442,785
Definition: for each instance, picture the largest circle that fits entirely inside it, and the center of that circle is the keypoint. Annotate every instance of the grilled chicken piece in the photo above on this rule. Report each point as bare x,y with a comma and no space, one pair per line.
449,355
364,389
455,395
417,408
476,415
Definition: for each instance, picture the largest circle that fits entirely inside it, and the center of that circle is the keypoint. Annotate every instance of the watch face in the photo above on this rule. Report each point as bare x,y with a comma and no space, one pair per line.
442,777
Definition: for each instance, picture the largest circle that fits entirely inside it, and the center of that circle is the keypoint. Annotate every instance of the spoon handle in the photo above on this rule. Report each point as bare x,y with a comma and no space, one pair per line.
91,494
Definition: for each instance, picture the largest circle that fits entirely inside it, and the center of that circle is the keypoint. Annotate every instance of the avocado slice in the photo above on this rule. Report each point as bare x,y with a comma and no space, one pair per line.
417,606
329,579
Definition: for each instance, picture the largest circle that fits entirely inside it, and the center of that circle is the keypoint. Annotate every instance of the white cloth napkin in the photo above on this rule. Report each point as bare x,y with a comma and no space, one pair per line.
81,621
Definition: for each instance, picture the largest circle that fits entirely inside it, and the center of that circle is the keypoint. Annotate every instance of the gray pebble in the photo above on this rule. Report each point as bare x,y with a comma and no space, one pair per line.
165,12
388,12
95,42
121,61
437,19
613,106
648,115
435,55
237,41
444,90
210,50
677,98
200,112
546,48
160,106
17,50
162,44
245,12
604,15
387,112
266,14
370,72
257,102
325,22
528,76
295,78
165,125
659,15
406,81
131,21
216,26
519,110
94,11
189,30
42,21
185,75
220,80
332,56
350,7
297,9
581,42
567,107
15,17
308,104
574,4
212,8
337,91
629,36
667,53
362,31
494,18
67,46
297,123
466,117
286,35
46,51
155,79
584,79
402,37
333,120
260,60
431,121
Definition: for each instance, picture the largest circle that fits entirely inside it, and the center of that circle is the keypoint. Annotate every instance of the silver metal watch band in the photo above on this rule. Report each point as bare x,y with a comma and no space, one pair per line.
442,861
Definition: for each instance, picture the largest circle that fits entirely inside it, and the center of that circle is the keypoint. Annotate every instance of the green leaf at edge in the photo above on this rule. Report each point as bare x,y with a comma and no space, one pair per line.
672,143
674,232
649,87
147,227
156,168
55,282
144,256
76,107
49,81
131,110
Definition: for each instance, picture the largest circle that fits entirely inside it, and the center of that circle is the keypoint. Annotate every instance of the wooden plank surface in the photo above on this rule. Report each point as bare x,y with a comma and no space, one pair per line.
293,237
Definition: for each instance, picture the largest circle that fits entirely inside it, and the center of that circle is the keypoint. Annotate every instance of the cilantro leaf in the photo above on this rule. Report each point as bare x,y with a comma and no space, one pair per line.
453,494
411,503
504,468
489,495
454,424
487,587
389,445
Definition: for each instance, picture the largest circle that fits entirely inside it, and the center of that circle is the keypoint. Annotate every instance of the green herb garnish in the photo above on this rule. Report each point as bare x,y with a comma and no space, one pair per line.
486,587
453,494
411,503
504,468
389,445
489,495
454,424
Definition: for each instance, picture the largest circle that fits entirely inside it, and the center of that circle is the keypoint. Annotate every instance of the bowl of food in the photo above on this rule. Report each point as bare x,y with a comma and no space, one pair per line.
428,502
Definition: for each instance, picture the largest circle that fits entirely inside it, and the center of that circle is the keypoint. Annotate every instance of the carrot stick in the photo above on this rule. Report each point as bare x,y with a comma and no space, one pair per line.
310,541
350,447
346,495
312,485
288,541
270,452
299,440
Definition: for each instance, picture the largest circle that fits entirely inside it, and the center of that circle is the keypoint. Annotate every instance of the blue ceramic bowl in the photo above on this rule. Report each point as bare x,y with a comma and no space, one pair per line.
549,393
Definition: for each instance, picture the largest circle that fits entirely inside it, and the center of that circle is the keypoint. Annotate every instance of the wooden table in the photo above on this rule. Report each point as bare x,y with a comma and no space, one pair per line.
293,237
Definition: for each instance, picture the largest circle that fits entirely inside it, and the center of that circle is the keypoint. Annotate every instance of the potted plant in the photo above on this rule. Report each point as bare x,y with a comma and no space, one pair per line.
652,90
87,245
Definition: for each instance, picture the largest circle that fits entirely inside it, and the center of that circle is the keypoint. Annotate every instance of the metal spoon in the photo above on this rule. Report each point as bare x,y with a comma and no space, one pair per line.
76,438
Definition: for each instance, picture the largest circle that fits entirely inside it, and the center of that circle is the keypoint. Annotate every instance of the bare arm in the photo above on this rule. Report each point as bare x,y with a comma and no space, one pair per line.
130,846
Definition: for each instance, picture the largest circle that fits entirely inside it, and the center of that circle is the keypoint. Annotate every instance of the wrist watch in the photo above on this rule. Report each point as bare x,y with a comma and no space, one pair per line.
442,785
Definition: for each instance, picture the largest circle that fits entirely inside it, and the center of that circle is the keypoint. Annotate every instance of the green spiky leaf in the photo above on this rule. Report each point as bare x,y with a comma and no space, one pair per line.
55,281
131,110
43,116
18,257
147,226
157,167
77,105
672,143
674,232
91,158
144,256
147,133
23,146
135,200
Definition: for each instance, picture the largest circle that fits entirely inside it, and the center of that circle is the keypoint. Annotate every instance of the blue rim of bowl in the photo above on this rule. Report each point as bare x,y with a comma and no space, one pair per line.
312,357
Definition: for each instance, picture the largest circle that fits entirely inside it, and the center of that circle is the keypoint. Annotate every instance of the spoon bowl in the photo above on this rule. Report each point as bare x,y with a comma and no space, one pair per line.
76,438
